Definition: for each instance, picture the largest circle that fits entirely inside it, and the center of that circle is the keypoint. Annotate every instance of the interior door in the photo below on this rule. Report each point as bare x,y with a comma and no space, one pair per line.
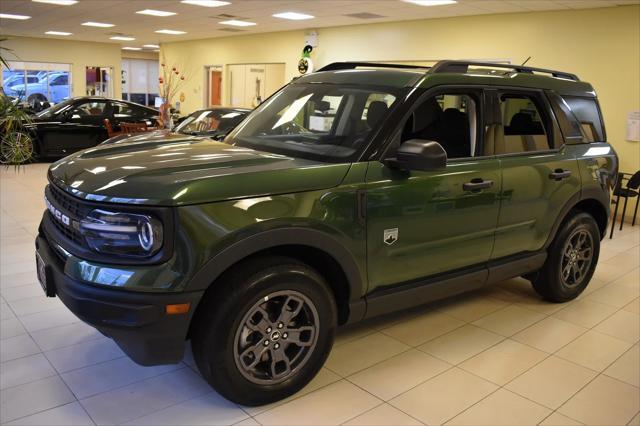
421,224
215,87
236,85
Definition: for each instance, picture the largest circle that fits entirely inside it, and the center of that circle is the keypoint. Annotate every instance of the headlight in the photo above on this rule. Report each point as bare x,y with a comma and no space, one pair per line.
122,233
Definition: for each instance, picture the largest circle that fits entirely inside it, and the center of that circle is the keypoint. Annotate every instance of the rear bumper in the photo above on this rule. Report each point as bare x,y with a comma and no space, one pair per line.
136,321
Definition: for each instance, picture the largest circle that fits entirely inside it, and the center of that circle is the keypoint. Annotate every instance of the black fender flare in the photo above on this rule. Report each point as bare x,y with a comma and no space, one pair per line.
273,238
591,193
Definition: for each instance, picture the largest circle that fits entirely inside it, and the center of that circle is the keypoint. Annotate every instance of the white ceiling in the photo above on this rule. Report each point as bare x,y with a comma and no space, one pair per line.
202,22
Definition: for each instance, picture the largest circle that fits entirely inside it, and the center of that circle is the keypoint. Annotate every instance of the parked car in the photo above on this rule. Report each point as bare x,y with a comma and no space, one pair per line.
17,80
52,87
213,123
344,196
78,123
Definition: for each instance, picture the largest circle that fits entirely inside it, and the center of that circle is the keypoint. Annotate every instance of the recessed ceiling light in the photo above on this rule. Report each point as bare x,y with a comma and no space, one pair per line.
10,16
97,24
431,2
131,48
122,38
238,23
60,33
58,2
294,16
151,46
206,3
172,32
155,12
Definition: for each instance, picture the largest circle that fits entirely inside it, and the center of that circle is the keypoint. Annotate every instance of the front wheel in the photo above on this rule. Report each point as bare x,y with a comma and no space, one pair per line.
265,330
572,259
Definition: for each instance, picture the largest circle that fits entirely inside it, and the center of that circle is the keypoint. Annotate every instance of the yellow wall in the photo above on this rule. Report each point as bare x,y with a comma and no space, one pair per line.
77,53
139,54
602,46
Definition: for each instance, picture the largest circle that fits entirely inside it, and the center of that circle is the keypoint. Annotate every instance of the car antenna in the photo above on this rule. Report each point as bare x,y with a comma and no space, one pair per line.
525,61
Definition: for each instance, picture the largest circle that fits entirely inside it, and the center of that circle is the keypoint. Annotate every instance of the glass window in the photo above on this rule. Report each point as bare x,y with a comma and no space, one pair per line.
568,122
320,121
37,84
449,119
211,121
122,110
588,114
89,109
522,124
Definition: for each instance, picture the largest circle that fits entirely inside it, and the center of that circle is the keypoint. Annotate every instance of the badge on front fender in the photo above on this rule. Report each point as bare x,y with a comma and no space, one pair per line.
390,236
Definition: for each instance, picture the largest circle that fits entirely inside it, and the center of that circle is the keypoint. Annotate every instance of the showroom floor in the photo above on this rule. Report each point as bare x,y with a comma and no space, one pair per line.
497,356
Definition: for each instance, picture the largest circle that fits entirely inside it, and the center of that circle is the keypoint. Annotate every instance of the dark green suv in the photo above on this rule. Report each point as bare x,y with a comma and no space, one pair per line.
354,191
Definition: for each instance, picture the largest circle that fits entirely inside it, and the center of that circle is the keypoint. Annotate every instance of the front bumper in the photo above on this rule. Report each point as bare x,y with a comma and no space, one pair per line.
136,321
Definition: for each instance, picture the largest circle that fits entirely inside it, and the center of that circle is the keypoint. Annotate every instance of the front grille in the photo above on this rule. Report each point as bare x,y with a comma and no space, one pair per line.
71,207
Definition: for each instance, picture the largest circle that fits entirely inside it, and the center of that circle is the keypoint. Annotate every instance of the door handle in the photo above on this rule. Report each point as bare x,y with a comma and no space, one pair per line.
477,184
559,174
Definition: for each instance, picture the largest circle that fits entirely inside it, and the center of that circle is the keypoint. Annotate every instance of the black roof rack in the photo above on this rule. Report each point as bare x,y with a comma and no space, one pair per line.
463,67
336,66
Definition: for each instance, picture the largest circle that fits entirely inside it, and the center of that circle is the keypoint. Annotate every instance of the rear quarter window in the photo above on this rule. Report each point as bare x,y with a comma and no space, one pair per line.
587,112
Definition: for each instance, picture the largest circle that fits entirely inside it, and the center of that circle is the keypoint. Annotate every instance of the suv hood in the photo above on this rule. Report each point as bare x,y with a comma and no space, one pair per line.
186,171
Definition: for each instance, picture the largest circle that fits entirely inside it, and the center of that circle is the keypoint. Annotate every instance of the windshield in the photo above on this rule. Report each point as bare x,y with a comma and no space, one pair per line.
211,121
56,109
324,122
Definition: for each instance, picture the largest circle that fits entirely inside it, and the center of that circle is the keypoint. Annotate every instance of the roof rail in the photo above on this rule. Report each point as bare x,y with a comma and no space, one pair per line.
336,66
463,67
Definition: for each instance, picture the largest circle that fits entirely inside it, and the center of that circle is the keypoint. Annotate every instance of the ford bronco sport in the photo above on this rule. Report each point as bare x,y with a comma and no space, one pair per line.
354,191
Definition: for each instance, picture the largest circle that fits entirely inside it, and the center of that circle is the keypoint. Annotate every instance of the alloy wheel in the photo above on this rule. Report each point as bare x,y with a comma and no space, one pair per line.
276,337
577,256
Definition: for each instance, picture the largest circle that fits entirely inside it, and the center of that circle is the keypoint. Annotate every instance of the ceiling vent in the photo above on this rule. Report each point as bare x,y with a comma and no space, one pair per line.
364,15
226,16
231,30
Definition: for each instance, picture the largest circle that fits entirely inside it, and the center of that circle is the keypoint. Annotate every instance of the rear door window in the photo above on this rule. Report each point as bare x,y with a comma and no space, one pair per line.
523,124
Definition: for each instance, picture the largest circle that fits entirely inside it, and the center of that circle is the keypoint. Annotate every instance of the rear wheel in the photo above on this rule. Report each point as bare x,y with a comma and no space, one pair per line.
16,148
265,331
571,261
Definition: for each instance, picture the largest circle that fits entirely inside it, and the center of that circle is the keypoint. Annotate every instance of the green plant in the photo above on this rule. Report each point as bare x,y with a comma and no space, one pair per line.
16,144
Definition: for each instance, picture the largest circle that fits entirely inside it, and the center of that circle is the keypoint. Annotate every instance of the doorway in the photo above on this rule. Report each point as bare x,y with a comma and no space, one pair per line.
99,81
214,86
250,84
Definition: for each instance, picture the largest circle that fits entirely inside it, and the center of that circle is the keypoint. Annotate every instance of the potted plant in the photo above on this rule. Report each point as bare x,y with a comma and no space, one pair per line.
16,142
170,81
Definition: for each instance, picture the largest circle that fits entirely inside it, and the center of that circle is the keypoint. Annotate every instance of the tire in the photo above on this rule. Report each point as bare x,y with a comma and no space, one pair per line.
571,261
36,97
237,341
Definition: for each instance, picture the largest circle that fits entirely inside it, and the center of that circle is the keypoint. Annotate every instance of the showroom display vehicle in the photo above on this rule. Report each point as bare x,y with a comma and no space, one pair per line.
355,191
78,123
214,123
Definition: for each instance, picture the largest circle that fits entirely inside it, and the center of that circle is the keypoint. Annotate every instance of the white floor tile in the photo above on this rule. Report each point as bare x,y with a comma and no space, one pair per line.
332,405
11,327
66,335
209,409
116,373
17,347
84,354
24,370
31,398
148,396
66,415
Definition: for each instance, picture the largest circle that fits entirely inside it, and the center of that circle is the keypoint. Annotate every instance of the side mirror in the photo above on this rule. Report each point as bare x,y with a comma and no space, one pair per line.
419,154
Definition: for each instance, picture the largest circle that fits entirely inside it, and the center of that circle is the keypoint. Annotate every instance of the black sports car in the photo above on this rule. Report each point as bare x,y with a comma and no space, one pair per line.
212,123
78,123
